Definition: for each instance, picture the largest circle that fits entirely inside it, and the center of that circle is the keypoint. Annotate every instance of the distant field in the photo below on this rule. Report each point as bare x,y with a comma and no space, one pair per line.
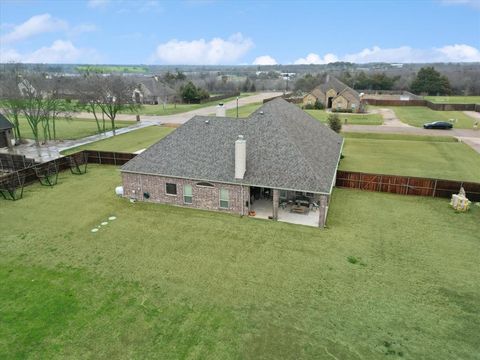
419,115
112,68
403,155
70,129
454,99
129,142
354,119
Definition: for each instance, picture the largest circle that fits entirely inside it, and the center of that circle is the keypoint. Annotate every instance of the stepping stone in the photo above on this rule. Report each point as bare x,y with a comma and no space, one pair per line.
94,230
104,223
112,218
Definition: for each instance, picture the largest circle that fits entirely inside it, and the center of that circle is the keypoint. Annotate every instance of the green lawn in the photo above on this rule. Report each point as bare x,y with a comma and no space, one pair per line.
244,111
454,99
129,142
403,155
170,283
419,115
354,119
70,129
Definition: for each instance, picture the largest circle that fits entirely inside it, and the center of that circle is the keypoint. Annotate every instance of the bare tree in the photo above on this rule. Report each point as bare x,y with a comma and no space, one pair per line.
117,96
12,100
41,105
88,94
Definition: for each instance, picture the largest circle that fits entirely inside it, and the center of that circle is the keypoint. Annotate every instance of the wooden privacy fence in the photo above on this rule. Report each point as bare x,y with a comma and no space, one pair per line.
403,185
30,173
107,157
406,185
12,162
427,103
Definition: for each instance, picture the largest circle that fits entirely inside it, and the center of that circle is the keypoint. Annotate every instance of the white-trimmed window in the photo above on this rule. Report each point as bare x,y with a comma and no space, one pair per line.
224,198
187,194
171,189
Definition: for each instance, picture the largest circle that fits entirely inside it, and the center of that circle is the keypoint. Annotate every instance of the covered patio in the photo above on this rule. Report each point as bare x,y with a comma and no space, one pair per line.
286,206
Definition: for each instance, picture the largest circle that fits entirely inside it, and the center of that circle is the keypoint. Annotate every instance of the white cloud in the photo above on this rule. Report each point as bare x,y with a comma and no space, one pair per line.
213,52
316,59
265,60
60,51
402,54
406,54
98,4
459,53
9,55
35,25
472,3
377,54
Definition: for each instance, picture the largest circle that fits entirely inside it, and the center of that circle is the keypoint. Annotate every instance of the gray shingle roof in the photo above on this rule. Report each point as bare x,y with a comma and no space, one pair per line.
4,123
339,87
286,149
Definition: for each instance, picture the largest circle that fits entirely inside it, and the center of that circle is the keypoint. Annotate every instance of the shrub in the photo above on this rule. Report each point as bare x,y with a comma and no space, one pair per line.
318,105
352,259
342,110
309,107
334,122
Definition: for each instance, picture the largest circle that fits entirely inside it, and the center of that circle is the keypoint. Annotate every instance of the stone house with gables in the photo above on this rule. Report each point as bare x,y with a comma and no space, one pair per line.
334,94
279,163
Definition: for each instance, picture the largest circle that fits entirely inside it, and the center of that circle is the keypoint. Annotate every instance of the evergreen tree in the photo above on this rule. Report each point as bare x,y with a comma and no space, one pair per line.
431,82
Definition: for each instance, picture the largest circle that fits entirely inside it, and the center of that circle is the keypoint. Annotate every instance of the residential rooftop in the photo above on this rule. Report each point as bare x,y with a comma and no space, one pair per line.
286,149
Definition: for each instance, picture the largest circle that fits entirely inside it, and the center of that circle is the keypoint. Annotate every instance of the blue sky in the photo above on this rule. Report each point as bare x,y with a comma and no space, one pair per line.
238,32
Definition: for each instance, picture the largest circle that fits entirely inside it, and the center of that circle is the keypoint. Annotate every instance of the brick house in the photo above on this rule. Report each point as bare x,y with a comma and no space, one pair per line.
6,132
334,94
279,163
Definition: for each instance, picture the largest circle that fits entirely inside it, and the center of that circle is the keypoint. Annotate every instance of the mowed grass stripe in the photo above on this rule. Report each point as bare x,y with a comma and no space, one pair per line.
130,142
443,160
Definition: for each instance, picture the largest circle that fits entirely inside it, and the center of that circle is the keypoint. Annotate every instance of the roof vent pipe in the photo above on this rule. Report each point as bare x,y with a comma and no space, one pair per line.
240,157
221,111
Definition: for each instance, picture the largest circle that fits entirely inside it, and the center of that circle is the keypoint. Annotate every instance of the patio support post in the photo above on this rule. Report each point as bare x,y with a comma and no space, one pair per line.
276,199
322,216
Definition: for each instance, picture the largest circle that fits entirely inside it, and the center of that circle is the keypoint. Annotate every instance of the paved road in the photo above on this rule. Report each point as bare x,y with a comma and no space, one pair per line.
52,150
184,117
392,125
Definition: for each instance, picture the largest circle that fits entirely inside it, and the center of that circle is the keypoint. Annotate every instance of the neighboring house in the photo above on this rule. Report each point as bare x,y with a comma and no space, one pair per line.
312,97
6,132
334,94
280,162
150,90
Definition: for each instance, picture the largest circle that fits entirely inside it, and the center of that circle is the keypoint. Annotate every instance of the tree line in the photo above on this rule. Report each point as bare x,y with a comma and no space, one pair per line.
427,81
42,100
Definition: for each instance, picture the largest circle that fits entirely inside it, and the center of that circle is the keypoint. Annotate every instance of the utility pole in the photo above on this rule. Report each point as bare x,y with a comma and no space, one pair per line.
237,107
